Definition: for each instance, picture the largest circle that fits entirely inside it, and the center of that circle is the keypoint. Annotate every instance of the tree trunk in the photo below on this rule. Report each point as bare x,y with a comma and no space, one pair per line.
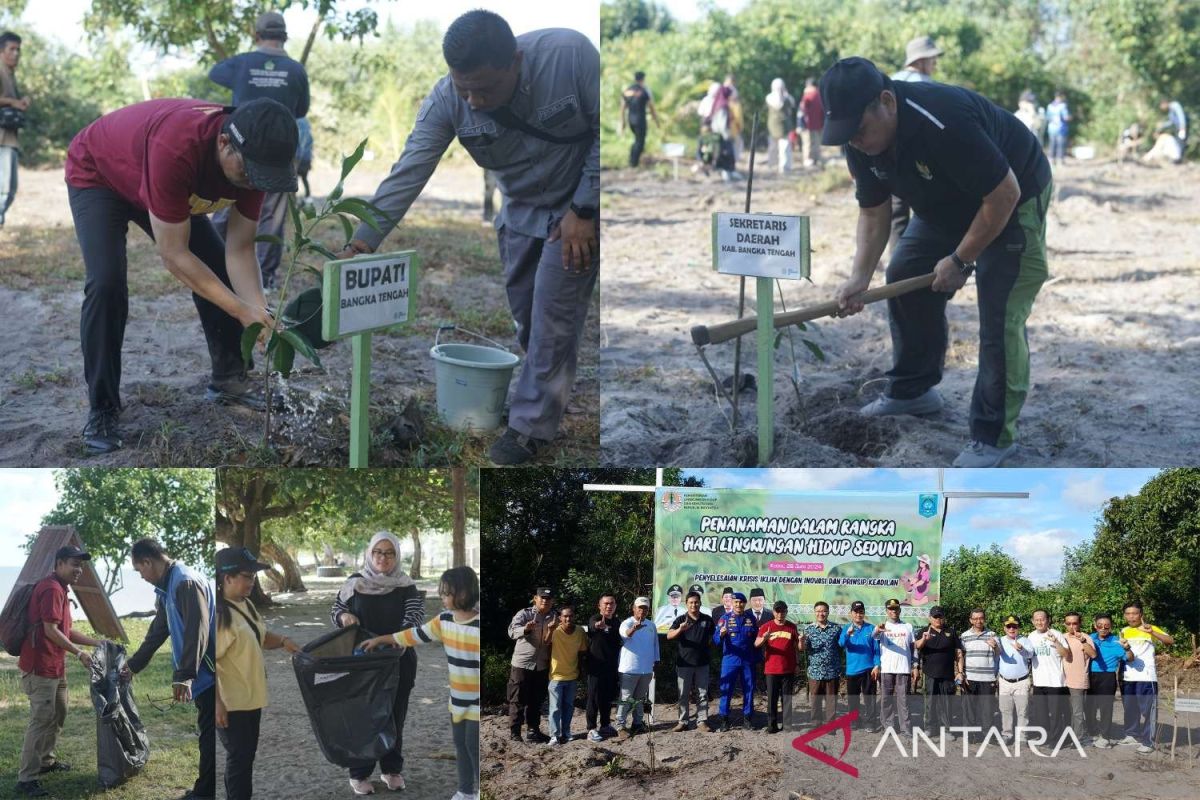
459,537
329,560
312,37
287,575
415,571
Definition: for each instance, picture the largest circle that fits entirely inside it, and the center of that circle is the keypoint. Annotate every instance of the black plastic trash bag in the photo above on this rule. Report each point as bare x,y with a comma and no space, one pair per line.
350,697
122,747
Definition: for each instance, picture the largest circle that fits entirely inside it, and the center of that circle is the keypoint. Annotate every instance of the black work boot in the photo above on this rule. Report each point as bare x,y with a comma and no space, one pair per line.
241,391
101,434
513,448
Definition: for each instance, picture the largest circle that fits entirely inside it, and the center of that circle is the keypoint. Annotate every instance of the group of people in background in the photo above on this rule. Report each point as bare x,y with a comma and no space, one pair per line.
992,682
796,124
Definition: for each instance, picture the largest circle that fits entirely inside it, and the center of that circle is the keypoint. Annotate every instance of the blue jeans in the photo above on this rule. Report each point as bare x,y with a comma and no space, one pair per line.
1058,146
562,707
1140,702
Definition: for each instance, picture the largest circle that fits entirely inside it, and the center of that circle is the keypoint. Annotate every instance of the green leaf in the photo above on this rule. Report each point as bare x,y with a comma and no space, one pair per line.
308,211
336,194
285,358
350,161
801,326
360,209
347,227
323,250
249,337
815,349
301,344
267,238
778,339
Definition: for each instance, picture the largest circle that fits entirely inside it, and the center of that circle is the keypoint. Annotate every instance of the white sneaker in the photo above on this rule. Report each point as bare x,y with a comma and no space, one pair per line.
362,787
978,454
1128,740
1145,748
883,406
394,781
1101,743
594,736
553,742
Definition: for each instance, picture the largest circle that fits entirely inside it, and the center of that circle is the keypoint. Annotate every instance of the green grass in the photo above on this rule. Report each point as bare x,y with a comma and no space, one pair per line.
174,752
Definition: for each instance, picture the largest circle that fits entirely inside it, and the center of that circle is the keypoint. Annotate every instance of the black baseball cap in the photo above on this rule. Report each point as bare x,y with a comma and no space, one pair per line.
265,133
238,559
543,591
71,551
271,25
857,605
847,88
937,611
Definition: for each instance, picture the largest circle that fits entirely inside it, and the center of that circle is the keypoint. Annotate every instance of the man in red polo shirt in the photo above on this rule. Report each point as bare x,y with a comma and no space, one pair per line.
165,165
780,641
44,669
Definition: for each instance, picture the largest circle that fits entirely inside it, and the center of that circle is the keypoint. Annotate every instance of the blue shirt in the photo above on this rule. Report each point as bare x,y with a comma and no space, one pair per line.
1014,664
738,647
265,72
1057,117
1109,654
861,646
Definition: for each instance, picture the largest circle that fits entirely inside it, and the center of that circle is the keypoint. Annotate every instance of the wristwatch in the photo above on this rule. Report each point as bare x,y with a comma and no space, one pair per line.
584,212
965,267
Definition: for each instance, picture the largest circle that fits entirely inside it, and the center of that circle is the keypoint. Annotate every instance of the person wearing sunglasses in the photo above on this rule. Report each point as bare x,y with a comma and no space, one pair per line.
382,597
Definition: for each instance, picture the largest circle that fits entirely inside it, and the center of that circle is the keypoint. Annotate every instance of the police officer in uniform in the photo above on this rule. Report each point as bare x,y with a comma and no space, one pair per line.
735,634
527,108
979,186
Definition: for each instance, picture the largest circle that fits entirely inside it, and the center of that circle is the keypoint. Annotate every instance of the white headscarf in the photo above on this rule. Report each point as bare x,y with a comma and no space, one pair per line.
705,109
371,580
778,94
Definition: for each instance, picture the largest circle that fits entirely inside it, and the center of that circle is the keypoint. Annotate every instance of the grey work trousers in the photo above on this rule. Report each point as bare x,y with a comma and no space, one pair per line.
549,305
8,178
893,701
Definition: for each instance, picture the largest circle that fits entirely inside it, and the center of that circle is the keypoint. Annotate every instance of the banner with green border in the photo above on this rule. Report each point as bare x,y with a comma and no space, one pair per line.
799,547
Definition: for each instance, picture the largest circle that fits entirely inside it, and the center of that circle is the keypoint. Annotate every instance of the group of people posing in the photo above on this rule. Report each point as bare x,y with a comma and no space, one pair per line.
1008,680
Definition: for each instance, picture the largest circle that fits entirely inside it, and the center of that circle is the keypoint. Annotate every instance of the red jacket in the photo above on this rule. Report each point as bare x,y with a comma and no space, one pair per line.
812,109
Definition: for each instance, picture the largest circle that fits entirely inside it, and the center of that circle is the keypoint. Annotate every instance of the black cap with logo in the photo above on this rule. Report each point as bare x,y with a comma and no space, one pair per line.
847,88
71,551
857,605
238,559
265,133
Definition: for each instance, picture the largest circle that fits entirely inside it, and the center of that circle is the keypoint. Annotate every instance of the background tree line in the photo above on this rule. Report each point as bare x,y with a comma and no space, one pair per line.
1114,58
365,76
539,527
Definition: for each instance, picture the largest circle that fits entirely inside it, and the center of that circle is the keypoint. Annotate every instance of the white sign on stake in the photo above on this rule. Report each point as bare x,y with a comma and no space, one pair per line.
368,293
761,245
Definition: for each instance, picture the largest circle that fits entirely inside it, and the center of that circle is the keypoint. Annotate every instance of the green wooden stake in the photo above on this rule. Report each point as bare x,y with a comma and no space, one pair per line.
360,400
766,369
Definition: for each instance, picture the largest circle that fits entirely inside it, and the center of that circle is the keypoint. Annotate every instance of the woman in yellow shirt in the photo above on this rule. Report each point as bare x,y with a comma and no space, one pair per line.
242,635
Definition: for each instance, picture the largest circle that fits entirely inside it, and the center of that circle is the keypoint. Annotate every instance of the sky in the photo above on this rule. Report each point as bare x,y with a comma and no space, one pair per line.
63,19
1062,509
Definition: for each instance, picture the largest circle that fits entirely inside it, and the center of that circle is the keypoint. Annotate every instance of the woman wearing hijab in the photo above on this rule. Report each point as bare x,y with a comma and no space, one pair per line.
781,111
381,598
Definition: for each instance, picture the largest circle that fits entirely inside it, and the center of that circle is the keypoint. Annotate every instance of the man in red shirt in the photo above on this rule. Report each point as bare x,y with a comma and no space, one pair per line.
812,112
780,641
165,165
44,669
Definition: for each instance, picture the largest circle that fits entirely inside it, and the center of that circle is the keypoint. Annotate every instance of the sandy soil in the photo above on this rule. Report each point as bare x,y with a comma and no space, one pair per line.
289,764
43,397
1114,335
754,764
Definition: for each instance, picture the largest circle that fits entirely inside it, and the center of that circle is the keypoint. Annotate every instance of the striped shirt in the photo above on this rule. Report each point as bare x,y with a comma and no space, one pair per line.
980,660
461,641
414,609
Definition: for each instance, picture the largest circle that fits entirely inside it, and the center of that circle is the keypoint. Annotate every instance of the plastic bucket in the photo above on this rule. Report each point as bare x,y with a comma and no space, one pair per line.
472,384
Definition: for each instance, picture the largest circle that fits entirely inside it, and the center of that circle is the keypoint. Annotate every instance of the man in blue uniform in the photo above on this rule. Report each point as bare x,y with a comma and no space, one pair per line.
527,108
735,634
979,185
266,72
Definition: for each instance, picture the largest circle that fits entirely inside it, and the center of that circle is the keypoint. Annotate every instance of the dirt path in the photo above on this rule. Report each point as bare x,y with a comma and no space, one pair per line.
753,764
1114,335
166,421
289,765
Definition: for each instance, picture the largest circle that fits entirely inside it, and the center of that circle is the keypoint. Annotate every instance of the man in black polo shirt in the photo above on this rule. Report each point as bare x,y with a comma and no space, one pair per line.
266,71
635,102
693,632
978,185
937,647
604,652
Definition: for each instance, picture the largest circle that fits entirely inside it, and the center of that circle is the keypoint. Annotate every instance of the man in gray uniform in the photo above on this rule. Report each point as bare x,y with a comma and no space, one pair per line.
528,109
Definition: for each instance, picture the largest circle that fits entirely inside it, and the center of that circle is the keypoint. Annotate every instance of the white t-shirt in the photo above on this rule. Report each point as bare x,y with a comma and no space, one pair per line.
896,647
1142,668
1047,663
639,651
